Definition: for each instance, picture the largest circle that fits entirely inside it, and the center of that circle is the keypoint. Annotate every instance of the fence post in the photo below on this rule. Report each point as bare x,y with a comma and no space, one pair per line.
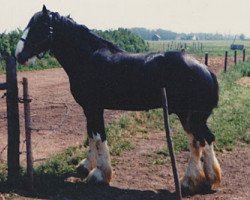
225,62
235,57
13,122
170,145
26,103
244,55
206,58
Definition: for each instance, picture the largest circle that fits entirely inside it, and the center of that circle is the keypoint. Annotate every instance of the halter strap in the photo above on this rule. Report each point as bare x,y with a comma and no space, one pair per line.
51,29
49,37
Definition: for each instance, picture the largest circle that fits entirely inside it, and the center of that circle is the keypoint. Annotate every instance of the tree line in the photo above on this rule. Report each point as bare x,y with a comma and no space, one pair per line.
147,34
125,39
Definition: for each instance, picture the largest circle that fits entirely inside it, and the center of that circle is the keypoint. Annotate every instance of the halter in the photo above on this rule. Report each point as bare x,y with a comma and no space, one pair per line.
48,39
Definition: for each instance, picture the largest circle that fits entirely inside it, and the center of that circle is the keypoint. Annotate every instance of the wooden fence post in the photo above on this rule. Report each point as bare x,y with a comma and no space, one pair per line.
225,62
26,103
13,122
244,55
235,57
170,145
206,58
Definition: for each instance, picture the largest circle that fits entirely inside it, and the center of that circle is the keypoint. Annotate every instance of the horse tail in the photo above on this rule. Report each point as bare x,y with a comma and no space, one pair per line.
215,93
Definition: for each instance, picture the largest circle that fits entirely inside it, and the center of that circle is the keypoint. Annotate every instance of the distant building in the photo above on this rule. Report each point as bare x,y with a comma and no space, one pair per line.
156,37
194,37
247,39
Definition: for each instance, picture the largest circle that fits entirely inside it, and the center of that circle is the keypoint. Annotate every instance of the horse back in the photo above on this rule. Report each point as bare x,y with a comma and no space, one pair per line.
133,81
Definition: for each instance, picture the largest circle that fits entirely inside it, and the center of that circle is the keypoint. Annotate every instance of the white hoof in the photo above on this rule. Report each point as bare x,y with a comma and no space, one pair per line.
96,177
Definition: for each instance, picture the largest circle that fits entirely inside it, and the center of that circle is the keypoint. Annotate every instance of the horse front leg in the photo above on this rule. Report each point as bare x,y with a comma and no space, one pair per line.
103,171
97,166
89,163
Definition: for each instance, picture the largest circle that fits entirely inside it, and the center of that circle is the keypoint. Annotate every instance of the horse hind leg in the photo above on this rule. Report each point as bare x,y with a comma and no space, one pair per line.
194,179
200,176
211,166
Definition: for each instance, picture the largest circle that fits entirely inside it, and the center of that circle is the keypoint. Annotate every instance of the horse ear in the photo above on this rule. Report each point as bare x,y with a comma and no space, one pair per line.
45,12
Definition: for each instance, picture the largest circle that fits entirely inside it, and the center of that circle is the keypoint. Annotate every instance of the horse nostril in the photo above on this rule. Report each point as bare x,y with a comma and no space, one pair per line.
20,58
17,56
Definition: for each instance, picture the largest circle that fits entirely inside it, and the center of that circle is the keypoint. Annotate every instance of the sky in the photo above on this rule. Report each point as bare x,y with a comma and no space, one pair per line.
213,16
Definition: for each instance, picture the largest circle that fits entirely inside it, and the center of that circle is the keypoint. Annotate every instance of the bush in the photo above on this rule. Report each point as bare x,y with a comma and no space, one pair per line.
8,43
125,39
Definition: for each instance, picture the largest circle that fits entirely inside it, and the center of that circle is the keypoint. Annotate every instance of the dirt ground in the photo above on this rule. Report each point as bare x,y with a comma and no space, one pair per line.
141,173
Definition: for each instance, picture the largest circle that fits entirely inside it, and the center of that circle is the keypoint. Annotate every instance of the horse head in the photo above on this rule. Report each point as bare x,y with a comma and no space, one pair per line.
36,38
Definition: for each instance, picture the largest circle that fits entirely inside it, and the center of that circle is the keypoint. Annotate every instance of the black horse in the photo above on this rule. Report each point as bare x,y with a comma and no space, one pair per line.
103,76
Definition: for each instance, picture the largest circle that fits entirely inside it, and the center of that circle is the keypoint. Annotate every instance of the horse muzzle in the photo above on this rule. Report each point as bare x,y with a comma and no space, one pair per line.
25,59
21,58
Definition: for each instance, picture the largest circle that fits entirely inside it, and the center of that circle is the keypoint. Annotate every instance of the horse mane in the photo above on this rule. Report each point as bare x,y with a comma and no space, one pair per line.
84,32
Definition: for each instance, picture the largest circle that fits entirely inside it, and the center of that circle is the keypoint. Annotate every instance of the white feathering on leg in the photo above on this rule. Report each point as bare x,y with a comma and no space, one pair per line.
211,166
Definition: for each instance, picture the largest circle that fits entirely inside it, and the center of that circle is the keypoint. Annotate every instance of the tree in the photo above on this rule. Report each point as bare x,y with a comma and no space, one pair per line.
8,43
242,36
125,39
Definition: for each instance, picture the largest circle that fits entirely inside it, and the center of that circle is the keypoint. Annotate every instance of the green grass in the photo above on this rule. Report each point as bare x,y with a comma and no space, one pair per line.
46,63
230,120
213,48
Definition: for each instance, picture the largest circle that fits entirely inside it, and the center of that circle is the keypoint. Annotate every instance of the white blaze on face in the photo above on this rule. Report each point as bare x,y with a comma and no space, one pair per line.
20,43
20,46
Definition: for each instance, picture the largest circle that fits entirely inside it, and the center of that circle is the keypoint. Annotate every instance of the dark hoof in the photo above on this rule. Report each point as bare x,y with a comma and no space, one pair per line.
204,188
82,171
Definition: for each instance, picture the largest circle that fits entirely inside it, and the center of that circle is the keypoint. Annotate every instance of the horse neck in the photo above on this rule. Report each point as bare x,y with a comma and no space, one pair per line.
72,45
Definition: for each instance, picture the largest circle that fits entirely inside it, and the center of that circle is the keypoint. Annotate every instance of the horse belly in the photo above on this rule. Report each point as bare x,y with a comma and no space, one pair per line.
132,100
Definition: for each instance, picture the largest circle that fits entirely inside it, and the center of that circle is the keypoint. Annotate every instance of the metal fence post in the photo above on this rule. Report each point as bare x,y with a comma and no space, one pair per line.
235,57
225,62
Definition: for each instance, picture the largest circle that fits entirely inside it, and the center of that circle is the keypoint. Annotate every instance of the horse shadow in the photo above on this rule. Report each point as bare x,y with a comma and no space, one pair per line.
58,187
55,187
